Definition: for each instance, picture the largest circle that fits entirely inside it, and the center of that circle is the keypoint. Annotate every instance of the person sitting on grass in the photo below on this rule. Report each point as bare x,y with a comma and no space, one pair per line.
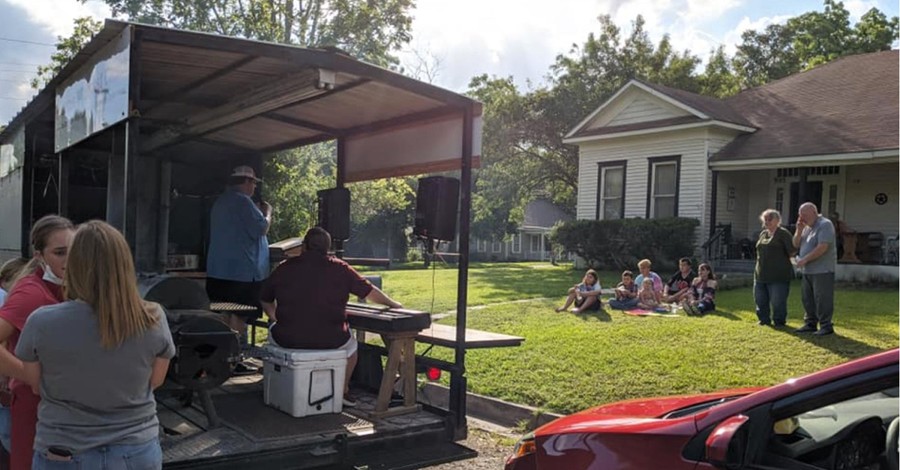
648,298
702,298
626,293
646,273
680,283
584,295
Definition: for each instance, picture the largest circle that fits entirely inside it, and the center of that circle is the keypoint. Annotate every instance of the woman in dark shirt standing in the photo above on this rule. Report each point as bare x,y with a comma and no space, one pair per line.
773,273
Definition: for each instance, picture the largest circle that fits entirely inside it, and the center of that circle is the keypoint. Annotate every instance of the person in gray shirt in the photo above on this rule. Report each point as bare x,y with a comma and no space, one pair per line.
96,359
817,258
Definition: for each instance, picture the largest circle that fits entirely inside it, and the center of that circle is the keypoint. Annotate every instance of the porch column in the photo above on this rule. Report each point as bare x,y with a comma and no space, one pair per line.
713,202
801,186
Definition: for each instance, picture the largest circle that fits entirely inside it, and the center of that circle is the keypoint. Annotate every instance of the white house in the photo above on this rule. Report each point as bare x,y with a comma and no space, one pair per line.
828,135
531,242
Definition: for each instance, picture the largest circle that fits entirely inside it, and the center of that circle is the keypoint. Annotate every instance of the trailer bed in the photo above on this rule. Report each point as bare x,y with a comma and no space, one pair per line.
252,434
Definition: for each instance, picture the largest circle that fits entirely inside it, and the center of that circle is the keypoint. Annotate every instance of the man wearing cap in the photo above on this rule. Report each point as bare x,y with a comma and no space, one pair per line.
238,257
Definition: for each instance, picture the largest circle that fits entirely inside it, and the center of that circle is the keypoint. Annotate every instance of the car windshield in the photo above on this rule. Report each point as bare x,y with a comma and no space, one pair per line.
689,410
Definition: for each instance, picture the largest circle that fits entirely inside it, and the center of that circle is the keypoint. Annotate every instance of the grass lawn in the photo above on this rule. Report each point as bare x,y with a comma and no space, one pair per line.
569,362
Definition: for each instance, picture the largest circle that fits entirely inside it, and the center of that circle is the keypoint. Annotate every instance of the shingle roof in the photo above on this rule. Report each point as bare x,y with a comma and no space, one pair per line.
847,105
543,213
712,107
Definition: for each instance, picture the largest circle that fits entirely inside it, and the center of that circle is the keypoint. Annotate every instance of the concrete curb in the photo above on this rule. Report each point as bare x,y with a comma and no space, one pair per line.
492,410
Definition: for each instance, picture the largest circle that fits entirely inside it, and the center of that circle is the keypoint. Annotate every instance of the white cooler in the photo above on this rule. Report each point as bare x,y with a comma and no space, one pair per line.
304,382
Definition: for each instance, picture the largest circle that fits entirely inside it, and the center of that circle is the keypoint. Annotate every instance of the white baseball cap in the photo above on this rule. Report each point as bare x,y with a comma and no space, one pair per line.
244,171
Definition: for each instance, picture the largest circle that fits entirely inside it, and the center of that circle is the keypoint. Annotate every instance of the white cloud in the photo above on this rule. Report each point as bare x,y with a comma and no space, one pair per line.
705,10
732,38
57,16
858,8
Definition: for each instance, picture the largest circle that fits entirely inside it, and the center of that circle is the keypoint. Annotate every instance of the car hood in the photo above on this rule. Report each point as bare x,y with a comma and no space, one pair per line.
632,413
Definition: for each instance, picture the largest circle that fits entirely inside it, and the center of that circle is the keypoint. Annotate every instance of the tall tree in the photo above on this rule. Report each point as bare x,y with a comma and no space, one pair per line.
370,30
810,39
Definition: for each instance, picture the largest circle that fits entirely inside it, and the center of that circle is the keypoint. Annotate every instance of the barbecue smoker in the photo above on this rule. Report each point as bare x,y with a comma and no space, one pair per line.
205,347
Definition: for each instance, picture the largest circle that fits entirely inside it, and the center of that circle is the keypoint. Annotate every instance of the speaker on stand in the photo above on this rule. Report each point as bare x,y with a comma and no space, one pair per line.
334,213
437,200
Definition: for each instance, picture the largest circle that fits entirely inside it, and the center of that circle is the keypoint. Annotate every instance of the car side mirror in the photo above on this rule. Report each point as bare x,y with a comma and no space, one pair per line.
726,445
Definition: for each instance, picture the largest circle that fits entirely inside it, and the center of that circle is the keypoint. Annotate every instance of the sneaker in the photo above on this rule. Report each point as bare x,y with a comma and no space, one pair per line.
244,369
780,324
349,402
825,330
763,323
807,328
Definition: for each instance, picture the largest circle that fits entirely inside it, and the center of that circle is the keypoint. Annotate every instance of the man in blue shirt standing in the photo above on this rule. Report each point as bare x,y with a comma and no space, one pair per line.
817,258
238,257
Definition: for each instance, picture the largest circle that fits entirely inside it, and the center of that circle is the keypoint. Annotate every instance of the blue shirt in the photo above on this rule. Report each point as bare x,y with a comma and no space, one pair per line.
238,247
821,231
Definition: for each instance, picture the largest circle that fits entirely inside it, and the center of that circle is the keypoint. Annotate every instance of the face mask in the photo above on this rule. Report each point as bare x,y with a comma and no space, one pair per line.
49,276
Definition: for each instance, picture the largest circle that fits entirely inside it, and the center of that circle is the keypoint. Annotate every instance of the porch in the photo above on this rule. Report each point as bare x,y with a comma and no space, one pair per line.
862,197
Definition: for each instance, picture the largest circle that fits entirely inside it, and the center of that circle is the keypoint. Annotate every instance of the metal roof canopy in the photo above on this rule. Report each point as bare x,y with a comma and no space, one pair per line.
209,99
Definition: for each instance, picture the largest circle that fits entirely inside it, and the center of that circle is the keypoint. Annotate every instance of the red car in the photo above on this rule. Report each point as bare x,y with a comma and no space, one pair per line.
843,417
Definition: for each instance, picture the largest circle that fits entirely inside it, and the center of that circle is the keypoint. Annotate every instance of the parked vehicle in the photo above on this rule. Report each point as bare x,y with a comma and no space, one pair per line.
842,417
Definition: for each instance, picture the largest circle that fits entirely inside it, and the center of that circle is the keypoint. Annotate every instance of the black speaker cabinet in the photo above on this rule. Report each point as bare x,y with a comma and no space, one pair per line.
437,200
334,212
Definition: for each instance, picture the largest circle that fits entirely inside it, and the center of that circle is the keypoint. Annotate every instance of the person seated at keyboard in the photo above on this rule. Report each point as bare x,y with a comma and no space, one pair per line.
306,297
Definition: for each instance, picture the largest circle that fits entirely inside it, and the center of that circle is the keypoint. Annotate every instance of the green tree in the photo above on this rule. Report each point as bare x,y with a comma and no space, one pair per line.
718,78
808,40
365,29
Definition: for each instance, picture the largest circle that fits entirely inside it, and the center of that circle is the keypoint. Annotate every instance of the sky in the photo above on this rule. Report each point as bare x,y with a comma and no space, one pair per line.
457,39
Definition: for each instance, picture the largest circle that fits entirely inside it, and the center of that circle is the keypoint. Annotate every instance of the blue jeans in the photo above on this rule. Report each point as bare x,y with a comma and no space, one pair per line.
774,294
624,304
146,456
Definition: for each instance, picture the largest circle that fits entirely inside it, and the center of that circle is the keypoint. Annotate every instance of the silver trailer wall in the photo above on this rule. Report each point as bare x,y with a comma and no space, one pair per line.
12,157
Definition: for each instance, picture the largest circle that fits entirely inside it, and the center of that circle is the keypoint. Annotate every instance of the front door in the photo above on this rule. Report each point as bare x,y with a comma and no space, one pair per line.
813,195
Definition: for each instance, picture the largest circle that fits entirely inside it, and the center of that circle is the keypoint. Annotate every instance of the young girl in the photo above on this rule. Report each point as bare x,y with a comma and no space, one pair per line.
702,297
584,295
648,296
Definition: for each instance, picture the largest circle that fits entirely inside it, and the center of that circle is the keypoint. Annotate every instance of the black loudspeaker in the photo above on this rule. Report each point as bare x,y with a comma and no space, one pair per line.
334,212
436,201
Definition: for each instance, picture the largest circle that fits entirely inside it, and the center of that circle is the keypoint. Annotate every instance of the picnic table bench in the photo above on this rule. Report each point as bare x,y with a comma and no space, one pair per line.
445,335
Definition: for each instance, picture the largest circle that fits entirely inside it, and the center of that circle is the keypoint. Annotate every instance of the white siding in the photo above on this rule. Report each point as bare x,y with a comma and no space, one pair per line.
644,109
634,106
863,183
690,145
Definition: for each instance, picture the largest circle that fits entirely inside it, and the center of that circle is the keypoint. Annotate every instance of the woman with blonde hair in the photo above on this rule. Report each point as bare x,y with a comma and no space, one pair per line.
38,284
96,359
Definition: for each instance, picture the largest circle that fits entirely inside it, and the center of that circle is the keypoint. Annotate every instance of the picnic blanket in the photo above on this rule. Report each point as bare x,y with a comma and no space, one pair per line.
640,312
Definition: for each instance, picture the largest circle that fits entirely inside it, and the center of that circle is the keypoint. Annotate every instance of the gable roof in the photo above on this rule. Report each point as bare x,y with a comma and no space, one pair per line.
849,105
699,110
541,213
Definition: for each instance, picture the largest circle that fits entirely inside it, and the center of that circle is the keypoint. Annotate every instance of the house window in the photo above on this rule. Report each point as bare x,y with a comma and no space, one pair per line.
535,243
832,199
517,243
481,246
496,246
662,197
779,200
611,193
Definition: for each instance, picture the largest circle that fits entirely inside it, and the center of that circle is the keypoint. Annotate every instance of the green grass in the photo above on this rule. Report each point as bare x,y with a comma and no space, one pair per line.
570,362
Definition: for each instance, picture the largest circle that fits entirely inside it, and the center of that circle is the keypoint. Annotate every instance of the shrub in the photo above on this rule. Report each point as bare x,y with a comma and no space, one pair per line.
620,244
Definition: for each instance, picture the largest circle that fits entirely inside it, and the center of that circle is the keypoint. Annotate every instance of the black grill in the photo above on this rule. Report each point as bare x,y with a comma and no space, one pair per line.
205,347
